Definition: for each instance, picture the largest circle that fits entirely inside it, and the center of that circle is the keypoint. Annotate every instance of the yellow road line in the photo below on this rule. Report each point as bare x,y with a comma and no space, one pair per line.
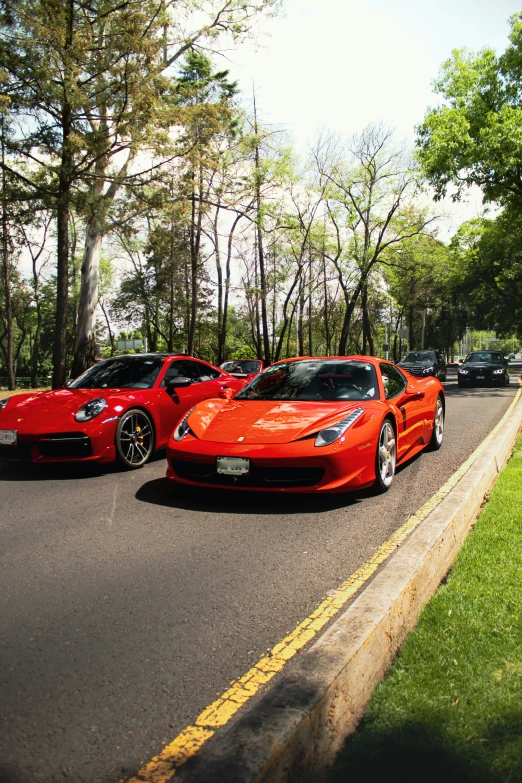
163,767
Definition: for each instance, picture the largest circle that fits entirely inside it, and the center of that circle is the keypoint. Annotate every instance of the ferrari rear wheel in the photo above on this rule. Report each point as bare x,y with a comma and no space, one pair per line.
438,426
386,458
134,438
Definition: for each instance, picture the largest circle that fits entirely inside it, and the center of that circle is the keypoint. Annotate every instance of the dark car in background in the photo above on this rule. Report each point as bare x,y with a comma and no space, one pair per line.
424,363
484,367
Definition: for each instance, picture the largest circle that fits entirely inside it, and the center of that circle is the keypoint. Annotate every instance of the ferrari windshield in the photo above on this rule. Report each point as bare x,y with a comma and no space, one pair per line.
125,372
314,380
419,357
242,366
485,356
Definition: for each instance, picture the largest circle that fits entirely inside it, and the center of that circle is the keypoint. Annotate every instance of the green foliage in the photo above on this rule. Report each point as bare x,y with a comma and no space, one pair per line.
475,137
488,272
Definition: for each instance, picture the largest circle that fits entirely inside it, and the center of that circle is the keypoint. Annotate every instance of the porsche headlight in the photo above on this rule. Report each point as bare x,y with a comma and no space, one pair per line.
182,428
498,372
91,409
3,403
463,372
330,434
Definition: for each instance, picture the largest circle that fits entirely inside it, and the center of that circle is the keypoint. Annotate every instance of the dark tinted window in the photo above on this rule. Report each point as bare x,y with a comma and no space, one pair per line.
393,380
313,380
207,373
120,373
184,368
485,356
420,356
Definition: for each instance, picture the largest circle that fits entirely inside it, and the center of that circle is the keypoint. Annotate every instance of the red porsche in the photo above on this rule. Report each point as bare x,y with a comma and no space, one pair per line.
122,408
310,425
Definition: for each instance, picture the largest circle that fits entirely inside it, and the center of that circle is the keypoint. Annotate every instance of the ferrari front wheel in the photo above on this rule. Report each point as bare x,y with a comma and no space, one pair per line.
438,426
386,458
134,438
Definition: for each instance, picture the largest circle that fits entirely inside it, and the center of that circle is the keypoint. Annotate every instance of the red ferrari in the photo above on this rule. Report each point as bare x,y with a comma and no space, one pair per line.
310,425
122,408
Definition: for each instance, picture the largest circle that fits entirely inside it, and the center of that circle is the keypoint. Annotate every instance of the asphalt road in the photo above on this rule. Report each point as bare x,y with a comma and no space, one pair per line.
125,609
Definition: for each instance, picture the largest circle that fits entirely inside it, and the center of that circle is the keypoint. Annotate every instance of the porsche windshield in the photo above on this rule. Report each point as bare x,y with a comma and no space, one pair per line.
313,380
122,373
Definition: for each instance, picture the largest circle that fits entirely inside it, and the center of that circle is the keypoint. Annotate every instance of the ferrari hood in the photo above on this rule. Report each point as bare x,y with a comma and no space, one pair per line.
255,421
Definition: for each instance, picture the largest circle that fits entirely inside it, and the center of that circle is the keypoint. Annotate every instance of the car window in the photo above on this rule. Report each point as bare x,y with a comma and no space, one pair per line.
207,373
393,380
315,379
185,368
123,372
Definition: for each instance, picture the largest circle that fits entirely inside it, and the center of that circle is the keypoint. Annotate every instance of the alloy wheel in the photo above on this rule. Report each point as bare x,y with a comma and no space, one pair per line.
134,438
386,456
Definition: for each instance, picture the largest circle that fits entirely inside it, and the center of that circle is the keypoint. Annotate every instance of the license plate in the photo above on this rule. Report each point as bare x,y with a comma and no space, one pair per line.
233,466
481,377
8,437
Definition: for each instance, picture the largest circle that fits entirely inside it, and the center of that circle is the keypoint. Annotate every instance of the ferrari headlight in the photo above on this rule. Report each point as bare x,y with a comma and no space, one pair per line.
3,403
330,434
463,372
498,372
91,409
182,428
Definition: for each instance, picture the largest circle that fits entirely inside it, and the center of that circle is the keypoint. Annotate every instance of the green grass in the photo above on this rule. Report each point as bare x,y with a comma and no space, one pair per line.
450,708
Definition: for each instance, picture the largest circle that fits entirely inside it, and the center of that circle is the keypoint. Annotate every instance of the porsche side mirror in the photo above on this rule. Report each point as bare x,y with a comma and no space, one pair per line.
226,393
461,361
178,383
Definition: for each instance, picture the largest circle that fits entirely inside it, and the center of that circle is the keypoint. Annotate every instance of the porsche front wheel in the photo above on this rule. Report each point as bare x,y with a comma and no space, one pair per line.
386,458
134,438
438,426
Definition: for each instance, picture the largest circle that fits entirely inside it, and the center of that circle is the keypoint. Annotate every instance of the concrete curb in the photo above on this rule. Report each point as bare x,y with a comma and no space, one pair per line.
295,731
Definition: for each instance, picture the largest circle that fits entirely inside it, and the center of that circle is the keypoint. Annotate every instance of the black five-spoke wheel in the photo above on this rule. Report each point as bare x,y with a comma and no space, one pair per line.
134,438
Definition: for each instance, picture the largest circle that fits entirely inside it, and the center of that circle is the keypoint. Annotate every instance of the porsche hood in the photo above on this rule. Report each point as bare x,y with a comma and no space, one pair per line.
250,421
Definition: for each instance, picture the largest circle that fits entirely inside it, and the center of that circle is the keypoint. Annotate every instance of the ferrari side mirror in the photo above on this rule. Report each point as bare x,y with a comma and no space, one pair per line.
226,393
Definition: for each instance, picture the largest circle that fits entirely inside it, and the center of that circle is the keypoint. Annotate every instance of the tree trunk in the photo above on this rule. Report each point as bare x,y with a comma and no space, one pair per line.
62,226
7,280
85,345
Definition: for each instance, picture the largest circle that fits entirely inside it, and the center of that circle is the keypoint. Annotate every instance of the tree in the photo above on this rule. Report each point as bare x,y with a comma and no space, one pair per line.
370,204
475,137
487,257
87,83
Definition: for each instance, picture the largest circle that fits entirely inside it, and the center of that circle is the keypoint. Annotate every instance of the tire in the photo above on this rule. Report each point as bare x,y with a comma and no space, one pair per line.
438,426
386,457
134,438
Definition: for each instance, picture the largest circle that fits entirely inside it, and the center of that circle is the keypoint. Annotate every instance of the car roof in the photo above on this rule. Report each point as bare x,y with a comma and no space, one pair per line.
356,358
155,356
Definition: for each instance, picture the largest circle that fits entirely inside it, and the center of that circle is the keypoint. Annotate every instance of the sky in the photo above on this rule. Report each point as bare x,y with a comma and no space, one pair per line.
341,64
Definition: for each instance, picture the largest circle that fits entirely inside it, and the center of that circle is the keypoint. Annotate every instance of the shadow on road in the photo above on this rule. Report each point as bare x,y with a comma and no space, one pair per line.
452,390
64,471
161,492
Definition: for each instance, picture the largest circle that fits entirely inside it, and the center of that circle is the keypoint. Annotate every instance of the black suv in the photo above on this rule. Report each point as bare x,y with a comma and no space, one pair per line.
484,367
423,363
